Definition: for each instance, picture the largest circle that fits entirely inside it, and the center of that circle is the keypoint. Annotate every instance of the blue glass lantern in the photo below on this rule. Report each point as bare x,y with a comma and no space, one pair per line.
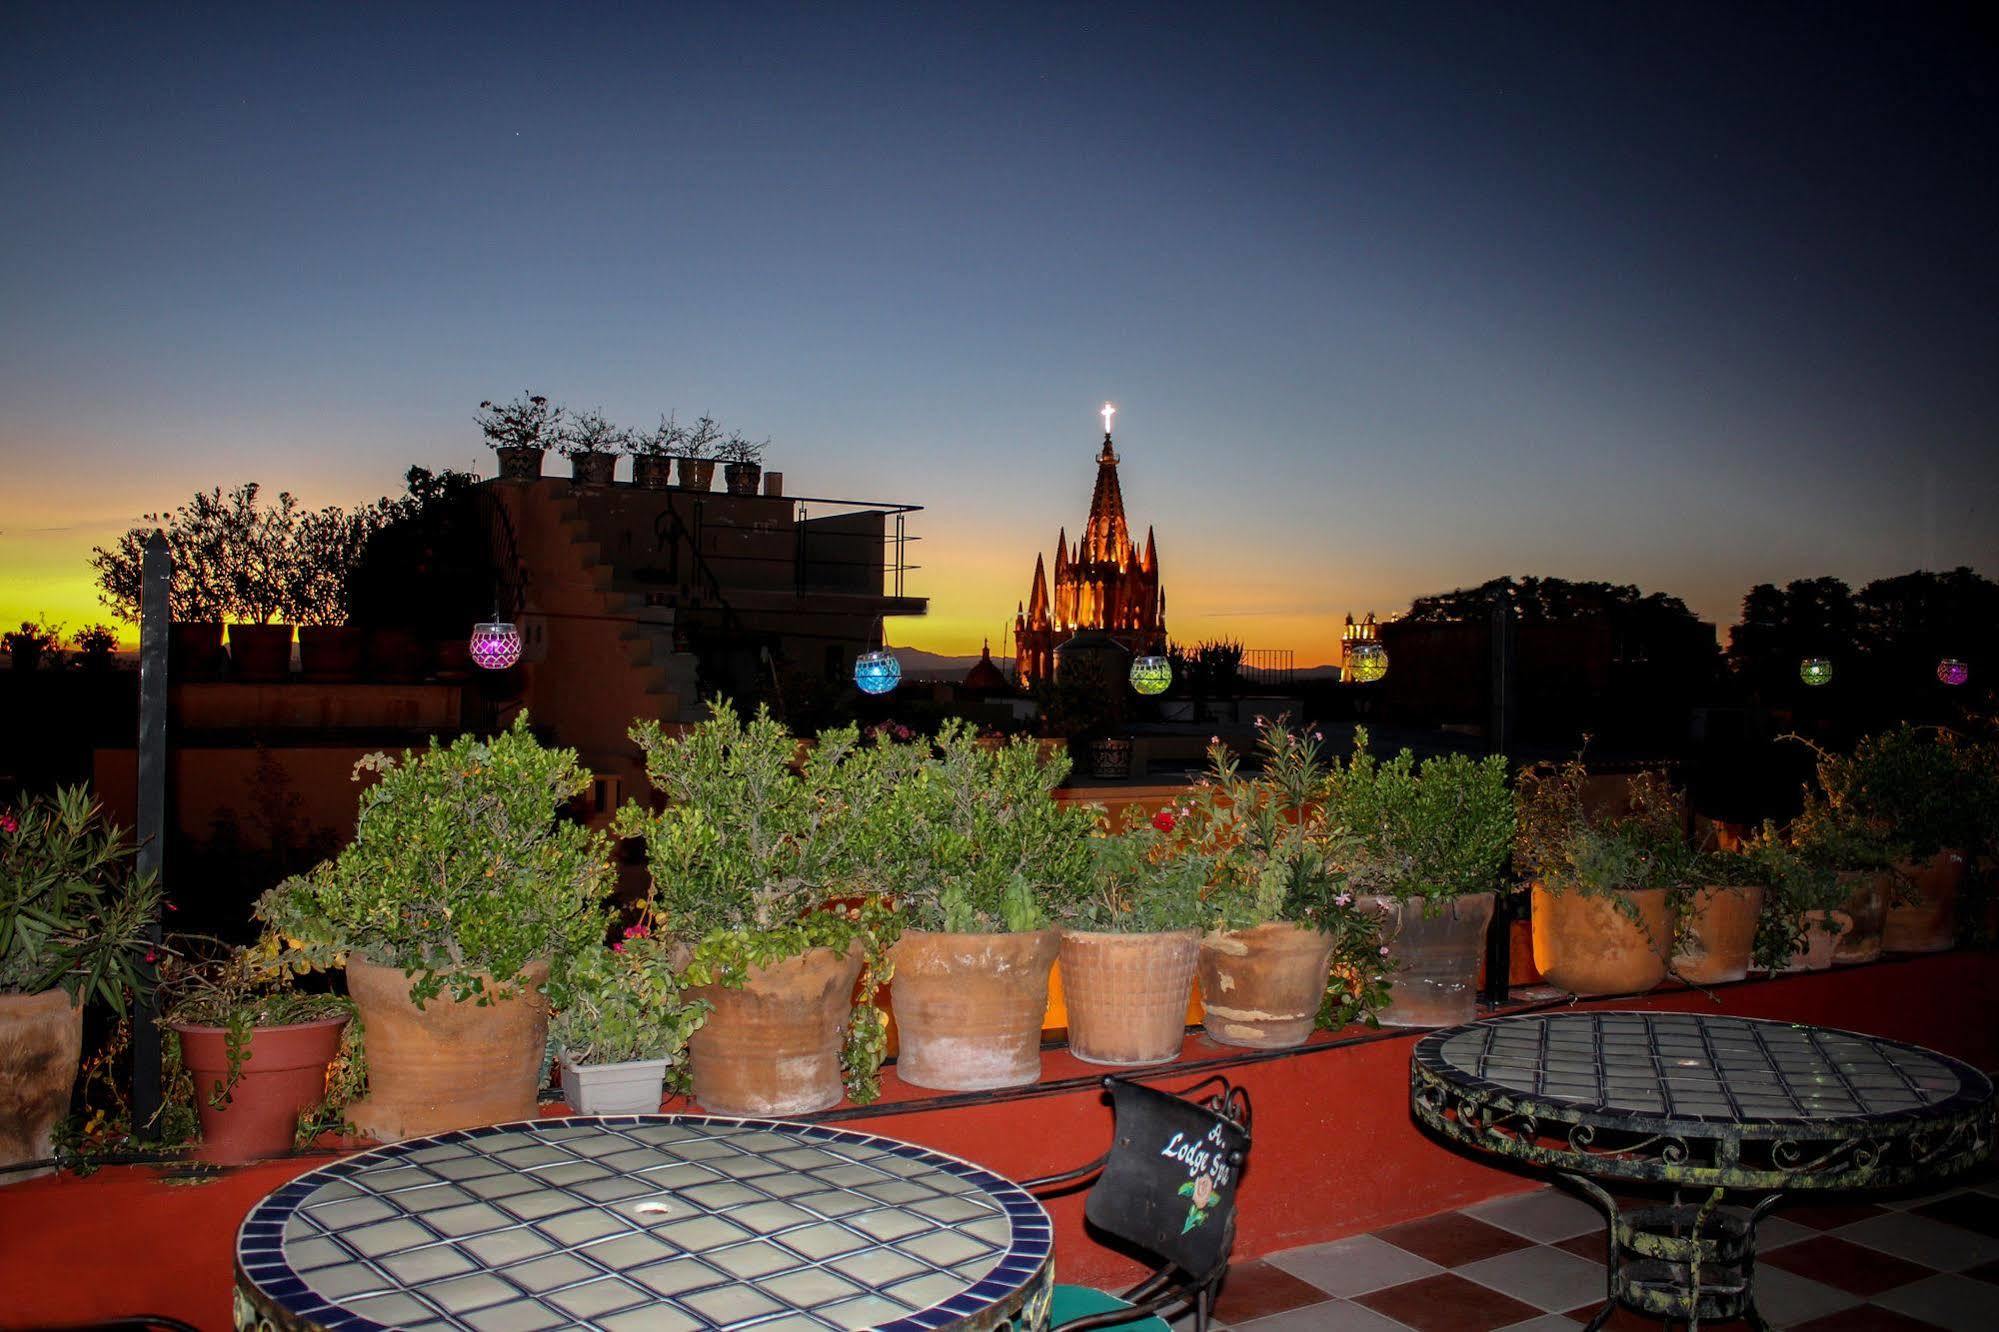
1367,662
1815,671
1151,675
877,672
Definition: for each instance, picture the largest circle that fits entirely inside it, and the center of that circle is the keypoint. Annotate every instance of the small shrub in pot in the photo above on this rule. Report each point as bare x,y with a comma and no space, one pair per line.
624,1025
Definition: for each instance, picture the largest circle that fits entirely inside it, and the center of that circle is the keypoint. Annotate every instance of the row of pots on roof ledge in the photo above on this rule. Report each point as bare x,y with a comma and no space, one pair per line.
788,897
521,432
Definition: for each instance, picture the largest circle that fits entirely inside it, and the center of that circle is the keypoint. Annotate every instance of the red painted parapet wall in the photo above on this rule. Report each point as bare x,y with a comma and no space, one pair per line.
1335,1151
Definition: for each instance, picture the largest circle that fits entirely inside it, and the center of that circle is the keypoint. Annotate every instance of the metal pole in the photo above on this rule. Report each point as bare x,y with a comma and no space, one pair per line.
1499,727
156,575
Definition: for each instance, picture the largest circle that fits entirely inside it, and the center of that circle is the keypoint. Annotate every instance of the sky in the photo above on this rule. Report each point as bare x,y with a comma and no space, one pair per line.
1391,299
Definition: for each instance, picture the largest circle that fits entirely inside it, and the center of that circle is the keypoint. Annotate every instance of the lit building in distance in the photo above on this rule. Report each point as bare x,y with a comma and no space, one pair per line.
1104,582
1352,633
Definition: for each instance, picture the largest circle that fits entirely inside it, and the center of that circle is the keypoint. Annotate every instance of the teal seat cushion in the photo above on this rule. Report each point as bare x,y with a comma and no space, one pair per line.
1073,1302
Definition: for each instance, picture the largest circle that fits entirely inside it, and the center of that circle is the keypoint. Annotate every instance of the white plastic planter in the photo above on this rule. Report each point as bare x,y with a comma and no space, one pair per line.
631,1088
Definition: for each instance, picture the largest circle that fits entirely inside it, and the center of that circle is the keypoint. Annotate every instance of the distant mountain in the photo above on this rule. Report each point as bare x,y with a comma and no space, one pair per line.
920,665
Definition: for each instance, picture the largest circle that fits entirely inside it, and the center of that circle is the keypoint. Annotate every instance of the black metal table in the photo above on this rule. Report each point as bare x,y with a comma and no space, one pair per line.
646,1223
1715,1104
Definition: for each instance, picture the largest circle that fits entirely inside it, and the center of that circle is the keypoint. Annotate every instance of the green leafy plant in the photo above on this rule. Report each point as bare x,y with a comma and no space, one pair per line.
461,871
95,644
740,448
1918,783
1833,831
625,1003
528,422
1793,886
985,847
232,557
1275,856
589,432
31,642
1438,830
1141,882
327,547
74,909
1569,843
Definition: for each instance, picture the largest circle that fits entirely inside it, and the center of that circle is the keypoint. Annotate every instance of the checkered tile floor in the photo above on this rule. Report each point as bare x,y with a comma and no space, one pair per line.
1534,1263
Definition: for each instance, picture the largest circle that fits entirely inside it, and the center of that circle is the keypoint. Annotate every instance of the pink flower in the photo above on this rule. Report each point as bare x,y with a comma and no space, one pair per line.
1344,899
8,823
168,905
1163,821
1214,739
1318,735
1384,950
638,931
618,947
152,955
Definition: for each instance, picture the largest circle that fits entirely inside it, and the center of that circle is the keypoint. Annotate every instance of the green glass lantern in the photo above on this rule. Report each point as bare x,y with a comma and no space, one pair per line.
1815,671
1367,662
1151,675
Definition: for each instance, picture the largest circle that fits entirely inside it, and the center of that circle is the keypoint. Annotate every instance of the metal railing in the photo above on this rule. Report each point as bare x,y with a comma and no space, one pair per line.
1269,668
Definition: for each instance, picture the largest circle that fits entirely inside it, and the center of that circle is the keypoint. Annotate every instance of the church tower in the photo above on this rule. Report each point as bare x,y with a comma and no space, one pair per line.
1102,582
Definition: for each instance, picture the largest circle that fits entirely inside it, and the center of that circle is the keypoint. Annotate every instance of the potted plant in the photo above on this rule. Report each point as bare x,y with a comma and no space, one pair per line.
1425,847
1835,836
653,452
1719,925
328,548
462,896
74,916
624,1025
742,463
748,855
992,859
31,642
253,1050
696,452
1802,918
259,545
205,540
1285,922
592,445
1608,879
95,646
1920,785
520,433
1131,942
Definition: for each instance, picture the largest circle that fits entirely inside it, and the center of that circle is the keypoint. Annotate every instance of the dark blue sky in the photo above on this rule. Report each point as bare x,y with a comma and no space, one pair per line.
1688,296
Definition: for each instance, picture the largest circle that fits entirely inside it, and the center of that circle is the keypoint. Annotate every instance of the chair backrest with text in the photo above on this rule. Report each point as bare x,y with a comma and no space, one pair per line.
1169,1183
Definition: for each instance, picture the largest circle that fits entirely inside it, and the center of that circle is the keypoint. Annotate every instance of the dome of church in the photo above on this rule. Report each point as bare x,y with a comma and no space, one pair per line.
984,677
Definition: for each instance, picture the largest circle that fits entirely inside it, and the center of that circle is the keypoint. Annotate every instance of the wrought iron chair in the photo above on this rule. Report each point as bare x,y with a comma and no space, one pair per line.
1167,1187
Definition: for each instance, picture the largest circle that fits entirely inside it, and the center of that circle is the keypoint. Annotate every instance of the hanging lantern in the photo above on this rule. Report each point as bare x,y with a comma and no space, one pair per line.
1815,671
1367,661
877,672
1952,671
496,645
1151,675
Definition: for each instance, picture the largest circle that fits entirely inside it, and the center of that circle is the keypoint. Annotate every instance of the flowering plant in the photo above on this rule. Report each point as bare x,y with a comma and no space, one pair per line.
74,910
625,1002
589,432
1568,841
1141,882
528,422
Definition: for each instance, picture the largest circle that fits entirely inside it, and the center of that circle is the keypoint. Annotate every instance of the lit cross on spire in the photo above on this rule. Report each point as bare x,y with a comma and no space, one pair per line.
1108,412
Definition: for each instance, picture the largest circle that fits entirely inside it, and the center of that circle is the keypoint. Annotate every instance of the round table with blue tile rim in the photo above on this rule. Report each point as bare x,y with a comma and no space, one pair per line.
1698,1101
657,1222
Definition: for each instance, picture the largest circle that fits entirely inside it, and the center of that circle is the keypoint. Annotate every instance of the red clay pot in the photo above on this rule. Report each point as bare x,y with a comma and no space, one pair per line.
518,464
968,1007
1261,987
41,1042
1126,994
1867,907
330,651
772,1046
1587,945
651,471
1928,922
451,1064
282,1076
260,651
1720,934
194,647
396,654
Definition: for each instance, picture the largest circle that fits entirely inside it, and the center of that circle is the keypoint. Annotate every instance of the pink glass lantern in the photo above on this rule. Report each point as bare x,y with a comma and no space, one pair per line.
1952,671
496,645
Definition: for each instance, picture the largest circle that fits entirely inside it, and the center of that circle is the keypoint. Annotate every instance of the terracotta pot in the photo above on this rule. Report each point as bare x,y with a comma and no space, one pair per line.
1127,994
1867,907
593,469
697,473
194,647
1822,935
450,1064
396,654
282,1076
772,1047
520,464
968,1007
1261,987
741,478
1436,952
651,472
1927,922
41,1042
260,651
1587,945
1720,934
331,651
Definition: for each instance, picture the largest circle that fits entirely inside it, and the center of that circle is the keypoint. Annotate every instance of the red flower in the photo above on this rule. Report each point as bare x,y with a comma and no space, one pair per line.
152,955
638,931
1163,821
8,823
618,947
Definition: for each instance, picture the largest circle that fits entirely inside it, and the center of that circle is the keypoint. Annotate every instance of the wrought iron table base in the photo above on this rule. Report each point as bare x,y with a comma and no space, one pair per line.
1679,1261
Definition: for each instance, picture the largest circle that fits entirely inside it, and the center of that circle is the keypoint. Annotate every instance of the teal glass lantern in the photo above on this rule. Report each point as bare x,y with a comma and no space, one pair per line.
1367,662
1151,675
1952,671
877,672
1815,671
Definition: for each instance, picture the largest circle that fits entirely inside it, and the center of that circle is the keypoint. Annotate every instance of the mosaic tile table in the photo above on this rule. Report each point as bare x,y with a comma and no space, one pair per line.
1704,1103
656,1222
